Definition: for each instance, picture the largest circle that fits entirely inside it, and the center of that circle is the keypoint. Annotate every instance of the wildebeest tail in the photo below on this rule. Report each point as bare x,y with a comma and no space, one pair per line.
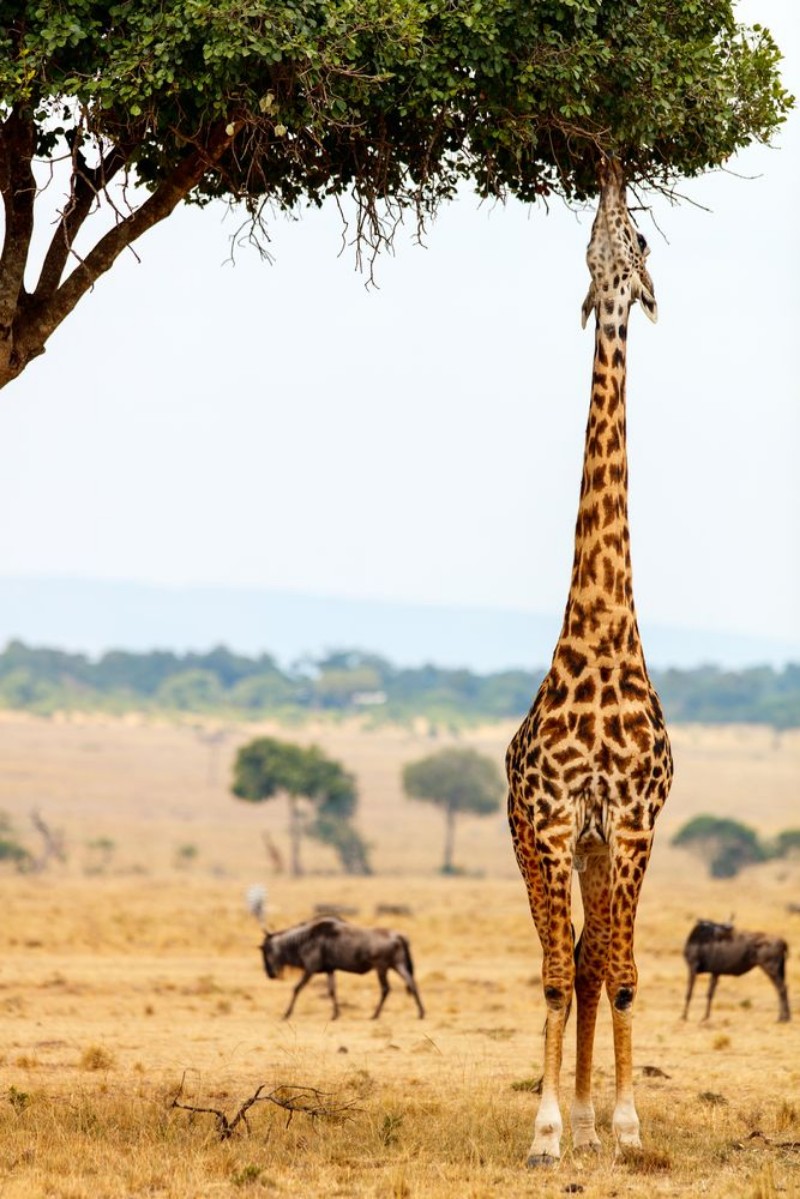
408,961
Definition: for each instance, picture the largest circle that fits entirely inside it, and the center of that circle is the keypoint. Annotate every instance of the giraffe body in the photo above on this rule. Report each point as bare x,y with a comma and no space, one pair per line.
590,767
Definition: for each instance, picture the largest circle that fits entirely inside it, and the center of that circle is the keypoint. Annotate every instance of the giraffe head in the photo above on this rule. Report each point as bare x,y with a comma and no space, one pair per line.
616,252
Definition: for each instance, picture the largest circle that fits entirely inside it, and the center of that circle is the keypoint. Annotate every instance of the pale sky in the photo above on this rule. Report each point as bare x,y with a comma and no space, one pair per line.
282,427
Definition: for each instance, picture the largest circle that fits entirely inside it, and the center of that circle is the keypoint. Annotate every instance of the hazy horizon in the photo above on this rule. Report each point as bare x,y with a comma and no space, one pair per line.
94,616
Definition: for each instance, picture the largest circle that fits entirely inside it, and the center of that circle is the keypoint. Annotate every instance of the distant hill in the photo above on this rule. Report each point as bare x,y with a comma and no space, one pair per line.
94,616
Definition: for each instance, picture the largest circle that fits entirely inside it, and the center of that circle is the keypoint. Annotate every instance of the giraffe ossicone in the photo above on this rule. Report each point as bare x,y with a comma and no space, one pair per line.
590,767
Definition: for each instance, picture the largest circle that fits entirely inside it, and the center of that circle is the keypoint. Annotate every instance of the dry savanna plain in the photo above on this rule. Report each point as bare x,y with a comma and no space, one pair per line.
132,991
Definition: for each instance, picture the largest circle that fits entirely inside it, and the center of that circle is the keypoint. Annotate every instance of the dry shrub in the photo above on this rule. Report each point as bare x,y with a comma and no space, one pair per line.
647,1161
786,1116
26,1061
96,1057
764,1187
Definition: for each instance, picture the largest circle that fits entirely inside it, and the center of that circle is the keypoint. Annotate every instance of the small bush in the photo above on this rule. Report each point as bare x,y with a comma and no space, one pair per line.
95,1057
19,1100
14,853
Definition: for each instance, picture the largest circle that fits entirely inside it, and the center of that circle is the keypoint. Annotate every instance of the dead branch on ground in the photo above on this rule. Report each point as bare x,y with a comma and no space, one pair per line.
309,1101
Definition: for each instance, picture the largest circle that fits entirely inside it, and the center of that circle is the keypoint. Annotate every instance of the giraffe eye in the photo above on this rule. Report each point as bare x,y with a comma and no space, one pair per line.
642,242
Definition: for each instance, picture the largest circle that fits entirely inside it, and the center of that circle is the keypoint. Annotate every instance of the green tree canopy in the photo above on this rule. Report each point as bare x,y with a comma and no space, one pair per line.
190,691
458,781
725,845
267,766
786,844
10,848
394,102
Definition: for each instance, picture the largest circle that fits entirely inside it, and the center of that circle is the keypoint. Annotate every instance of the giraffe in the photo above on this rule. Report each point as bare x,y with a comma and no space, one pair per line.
590,767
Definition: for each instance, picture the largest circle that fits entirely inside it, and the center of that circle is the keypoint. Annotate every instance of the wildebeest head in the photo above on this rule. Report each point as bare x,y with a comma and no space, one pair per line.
709,930
272,964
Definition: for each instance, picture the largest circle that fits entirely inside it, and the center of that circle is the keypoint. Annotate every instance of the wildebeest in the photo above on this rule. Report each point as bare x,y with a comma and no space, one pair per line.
717,949
327,944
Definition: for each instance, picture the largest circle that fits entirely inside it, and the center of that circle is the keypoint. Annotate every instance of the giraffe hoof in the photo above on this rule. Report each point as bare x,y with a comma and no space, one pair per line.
541,1159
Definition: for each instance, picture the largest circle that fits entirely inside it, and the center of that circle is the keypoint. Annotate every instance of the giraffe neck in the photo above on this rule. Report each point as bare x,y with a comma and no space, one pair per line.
600,619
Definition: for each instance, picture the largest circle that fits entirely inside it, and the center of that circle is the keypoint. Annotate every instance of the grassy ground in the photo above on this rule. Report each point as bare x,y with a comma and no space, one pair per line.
125,990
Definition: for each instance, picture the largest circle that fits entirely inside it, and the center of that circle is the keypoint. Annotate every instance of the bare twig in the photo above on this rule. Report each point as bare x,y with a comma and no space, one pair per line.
309,1101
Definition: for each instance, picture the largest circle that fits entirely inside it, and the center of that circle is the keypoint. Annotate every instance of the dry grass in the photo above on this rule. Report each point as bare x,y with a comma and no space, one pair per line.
117,989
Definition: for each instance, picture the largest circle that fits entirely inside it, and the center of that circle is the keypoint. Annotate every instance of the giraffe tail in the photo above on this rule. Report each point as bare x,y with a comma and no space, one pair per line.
576,953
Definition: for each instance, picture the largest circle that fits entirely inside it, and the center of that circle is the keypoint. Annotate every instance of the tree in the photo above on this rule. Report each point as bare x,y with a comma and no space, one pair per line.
136,108
725,845
262,691
266,766
458,781
786,844
12,851
190,691
10,848
333,791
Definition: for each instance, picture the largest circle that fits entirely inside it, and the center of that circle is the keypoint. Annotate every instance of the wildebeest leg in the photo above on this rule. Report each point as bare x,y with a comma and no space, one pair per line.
777,976
332,993
591,959
411,986
384,984
296,992
712,986
692,977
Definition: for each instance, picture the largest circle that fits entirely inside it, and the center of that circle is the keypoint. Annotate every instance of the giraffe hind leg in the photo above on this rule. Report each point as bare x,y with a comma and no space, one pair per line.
629,857
591,959
548,878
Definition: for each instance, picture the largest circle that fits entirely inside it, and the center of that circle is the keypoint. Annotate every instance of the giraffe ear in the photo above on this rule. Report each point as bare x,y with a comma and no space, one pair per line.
647,300
588,304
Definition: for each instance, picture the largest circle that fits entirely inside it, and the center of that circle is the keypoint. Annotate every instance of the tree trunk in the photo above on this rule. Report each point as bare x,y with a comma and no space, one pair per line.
449,839
295,836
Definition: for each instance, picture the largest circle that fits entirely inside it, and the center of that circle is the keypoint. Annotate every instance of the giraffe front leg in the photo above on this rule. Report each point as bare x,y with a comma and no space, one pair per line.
625,1121
545,1148
629,857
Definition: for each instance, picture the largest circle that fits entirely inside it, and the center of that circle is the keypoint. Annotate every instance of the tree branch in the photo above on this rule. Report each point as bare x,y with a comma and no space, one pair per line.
45,317
86,185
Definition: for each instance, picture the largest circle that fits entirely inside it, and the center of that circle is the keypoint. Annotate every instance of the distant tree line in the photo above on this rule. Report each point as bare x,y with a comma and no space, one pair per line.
46,680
